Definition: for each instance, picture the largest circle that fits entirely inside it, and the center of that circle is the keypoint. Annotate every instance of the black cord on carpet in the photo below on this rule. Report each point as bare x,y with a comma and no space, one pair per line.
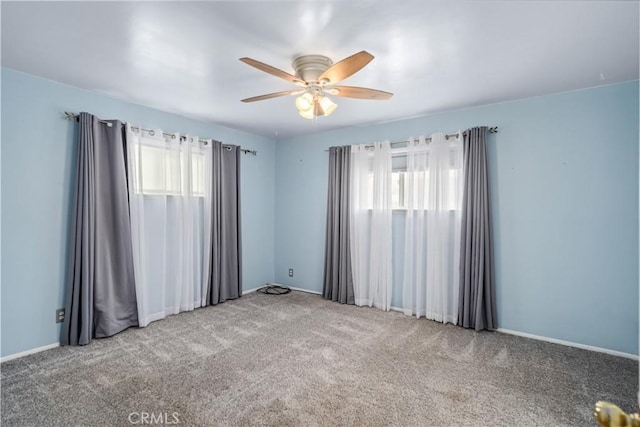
274,290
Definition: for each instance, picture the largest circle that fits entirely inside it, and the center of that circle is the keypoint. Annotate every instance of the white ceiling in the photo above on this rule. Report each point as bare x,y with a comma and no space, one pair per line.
182,57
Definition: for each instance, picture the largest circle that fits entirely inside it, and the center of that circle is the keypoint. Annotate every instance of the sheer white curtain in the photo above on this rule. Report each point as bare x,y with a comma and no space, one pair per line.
170,208
432,230
371,224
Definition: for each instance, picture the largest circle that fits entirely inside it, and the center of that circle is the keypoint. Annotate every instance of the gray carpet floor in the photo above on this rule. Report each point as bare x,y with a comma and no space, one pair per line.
297,360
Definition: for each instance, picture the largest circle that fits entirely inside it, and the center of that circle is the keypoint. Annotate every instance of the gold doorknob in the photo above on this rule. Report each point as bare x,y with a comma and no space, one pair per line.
609,415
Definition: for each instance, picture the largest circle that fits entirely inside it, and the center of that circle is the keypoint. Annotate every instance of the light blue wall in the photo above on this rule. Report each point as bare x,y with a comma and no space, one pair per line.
37,162
564,179
564,185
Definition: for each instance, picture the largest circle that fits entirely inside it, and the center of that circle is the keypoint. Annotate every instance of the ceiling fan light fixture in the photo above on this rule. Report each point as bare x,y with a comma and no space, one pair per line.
304,102
328,106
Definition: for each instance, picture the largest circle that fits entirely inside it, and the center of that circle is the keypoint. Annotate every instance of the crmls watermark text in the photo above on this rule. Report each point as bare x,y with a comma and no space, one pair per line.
153,418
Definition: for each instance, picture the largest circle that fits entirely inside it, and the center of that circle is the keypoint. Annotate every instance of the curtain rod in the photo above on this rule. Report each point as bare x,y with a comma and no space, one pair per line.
493,129
74,116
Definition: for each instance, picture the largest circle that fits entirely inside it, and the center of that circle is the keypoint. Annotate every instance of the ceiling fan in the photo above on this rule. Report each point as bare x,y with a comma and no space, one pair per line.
317,75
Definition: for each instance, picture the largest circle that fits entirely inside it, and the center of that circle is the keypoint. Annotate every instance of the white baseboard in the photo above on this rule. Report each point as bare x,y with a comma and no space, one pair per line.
28,352
248,291
570,344
302,290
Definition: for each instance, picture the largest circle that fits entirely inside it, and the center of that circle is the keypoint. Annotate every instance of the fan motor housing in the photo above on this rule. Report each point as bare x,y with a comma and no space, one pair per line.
310,67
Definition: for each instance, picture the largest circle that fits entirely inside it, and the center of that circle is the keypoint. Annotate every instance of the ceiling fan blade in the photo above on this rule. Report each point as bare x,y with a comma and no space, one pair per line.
348,66
272,70
271,95
359,92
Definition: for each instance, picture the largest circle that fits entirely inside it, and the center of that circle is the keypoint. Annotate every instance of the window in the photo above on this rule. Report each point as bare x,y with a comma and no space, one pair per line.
401,185
398,185
165,171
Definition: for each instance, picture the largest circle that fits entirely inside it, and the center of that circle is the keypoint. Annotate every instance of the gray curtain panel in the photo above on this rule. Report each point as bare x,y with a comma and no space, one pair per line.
225,271
477,299
101,298
338,278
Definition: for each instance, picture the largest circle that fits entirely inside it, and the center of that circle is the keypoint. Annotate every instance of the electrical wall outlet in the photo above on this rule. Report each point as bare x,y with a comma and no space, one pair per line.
60,315
291,272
